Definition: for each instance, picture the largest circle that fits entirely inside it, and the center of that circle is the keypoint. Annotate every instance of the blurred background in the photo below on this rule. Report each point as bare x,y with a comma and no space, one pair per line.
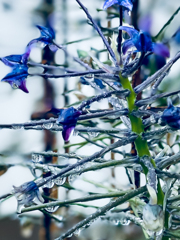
17,27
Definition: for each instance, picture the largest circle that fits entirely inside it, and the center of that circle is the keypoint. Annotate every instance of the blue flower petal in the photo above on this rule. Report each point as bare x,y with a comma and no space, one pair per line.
143,43
133,33
125,3
109,3
17,78
12,60
68,118
46,32
47,37
26,187
145,23
67,132
161,49
83,81
127,45
99,83
171,116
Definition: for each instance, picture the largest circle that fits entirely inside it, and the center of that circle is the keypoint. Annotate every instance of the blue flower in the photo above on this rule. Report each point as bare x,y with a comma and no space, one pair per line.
12,60
125,3
27,194
143,43
47,37
96,80
17,78
68,118
171,116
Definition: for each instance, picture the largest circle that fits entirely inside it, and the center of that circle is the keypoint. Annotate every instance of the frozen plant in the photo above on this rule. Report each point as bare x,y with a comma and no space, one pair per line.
122,81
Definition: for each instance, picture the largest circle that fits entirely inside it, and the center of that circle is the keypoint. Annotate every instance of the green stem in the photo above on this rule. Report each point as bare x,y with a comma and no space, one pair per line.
138,128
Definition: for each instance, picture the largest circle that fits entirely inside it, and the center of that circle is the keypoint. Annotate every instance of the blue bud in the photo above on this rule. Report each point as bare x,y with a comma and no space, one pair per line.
68,118
171,116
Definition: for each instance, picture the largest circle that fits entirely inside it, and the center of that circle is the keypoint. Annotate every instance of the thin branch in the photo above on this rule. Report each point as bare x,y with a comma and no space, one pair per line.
92,197
27,125
101,211
97,98
99,32
152,99
76,59
166,24
101,153
72,74
157,74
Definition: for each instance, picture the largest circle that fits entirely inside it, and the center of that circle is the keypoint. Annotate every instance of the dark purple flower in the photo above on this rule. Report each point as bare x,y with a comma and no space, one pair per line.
17,78
68,118
12,60
27,194
143,43
125,3
171,116
47,37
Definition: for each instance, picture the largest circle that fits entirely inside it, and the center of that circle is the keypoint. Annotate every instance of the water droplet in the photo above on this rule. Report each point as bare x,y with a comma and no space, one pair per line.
17,127
87,225
75,133
116,222
37,158
160,121
77,232
159,233
52,209
45,168
60,181
72,154
70,235
79,168
47,125
93,134
125,222
72,178
152,119
14,85
19,207
49,184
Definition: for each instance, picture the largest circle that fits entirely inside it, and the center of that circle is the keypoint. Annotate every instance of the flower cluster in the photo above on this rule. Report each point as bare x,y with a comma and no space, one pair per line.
17,77
27,194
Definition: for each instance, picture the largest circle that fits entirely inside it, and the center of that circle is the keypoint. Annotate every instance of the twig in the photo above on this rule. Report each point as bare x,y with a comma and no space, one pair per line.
101,211
156,75
101,153
99,32
150,100
92,197
97,98
72,74
167,23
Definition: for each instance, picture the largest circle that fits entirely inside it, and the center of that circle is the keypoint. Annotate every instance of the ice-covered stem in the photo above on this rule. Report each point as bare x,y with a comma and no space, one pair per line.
101,96
138,128
92,197
99,32
166,68
99,154
101,211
